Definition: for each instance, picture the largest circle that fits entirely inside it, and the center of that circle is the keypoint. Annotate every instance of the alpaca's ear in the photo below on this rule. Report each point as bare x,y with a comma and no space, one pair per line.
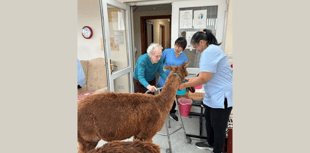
168,67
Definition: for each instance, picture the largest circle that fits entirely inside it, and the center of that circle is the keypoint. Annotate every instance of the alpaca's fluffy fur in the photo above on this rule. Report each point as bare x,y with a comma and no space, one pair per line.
118,116
135,146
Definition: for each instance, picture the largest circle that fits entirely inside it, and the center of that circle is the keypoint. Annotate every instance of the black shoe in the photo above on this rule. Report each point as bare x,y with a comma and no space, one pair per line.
204,145
173,116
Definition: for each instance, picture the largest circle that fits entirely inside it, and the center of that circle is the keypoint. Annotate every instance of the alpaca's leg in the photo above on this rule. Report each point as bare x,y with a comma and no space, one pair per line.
146,134
150,135
150,126
135,138
81,147
84,146
93,145
149,140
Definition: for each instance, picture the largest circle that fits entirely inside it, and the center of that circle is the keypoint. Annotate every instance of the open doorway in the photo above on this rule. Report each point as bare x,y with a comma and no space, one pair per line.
146,25
149,32
155,29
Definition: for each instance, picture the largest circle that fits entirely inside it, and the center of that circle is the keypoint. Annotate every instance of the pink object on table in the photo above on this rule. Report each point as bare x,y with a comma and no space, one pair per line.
198,87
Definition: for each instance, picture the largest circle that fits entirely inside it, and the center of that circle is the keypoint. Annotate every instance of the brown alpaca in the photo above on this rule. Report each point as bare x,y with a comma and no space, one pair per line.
127,147
117,116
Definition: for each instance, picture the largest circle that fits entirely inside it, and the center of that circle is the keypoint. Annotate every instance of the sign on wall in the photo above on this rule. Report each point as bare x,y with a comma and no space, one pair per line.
118,37
186,19
200,19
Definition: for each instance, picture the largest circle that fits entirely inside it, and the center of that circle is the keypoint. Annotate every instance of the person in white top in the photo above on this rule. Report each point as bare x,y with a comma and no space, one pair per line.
216,76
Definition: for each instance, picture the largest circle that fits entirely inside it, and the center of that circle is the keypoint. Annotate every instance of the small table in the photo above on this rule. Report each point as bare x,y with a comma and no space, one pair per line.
197,103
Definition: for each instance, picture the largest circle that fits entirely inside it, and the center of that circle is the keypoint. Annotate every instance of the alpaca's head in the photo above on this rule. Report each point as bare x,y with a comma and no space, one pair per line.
181,70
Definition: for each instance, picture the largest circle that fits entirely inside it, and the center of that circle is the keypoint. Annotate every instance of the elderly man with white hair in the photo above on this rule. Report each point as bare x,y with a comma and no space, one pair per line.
148,64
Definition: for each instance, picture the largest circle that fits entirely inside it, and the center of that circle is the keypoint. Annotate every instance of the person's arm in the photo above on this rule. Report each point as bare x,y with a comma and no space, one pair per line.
207,67
203,78
141,77
161,71
141,74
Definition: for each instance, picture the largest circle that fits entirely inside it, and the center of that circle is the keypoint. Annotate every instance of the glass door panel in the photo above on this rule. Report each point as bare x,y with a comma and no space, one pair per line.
121,84
118,37
115,19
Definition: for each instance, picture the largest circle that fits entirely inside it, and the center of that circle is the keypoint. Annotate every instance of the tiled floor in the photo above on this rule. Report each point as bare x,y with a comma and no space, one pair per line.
178,140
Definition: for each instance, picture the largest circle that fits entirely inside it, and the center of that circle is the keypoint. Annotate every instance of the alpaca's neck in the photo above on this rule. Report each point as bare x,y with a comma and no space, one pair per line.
168,93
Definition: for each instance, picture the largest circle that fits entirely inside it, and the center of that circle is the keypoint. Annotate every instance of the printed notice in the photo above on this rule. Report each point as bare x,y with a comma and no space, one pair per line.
189,35
200,19
118,37
120,22
114,17
186,19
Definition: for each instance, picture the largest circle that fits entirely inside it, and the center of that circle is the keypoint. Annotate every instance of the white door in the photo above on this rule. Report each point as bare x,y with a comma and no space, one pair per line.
116,31
184,14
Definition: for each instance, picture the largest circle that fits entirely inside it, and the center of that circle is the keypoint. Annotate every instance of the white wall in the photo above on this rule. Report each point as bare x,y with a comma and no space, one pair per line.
89,15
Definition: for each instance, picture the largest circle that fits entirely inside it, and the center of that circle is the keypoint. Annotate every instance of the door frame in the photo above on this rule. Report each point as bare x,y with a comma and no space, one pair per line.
163,32
107,48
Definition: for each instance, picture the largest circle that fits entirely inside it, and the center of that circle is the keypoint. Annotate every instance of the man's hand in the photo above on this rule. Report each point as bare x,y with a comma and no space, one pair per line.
181,87
189,79
151,88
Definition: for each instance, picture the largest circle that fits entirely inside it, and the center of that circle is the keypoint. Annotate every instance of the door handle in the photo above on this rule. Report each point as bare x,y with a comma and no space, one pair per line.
111,66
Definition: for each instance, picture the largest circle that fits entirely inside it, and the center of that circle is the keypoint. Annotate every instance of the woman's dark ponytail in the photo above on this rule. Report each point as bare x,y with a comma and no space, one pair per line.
206,35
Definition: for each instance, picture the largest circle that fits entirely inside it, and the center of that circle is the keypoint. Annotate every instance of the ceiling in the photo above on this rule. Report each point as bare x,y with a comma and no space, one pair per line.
136,0
129,1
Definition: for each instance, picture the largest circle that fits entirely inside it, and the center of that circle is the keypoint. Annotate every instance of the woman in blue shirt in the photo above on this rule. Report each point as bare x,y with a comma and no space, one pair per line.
216,76
173,57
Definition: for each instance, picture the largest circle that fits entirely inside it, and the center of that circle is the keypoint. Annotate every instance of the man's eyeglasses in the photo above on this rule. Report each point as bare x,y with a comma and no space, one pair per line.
158,56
